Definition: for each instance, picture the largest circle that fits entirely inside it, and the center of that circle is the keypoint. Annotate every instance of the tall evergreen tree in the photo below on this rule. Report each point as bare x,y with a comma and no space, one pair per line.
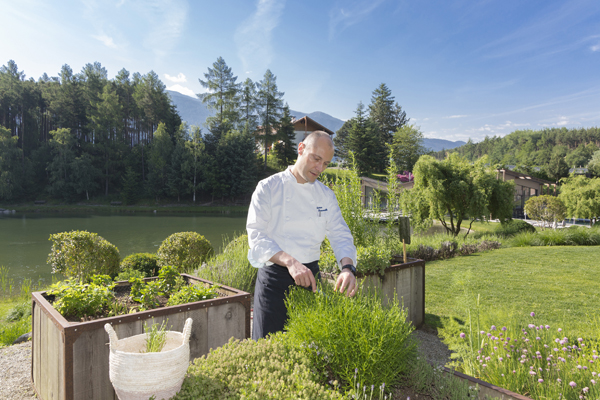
386,113
364,141
63,144
270,103
248,107
285,150
178,179
193,164
159,159
222,97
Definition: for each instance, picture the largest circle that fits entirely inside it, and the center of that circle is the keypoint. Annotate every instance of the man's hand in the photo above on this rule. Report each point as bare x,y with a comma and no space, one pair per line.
301,274
346,281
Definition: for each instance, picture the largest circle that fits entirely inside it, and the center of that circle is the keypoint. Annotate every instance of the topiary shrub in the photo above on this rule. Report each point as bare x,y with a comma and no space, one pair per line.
147,263
185,250
81,254
513,227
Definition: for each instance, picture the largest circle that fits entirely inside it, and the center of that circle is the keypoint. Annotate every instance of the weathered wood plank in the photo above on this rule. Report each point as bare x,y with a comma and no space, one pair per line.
36,346
199,336
91,368
226,321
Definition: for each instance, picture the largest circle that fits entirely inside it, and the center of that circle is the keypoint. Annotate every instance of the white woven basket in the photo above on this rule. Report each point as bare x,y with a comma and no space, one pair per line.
138,376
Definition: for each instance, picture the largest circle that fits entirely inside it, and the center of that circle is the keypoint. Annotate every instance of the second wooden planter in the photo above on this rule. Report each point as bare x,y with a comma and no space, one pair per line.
407,281
70,359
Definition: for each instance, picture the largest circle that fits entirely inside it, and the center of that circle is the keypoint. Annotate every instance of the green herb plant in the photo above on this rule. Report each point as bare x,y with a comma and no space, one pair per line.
156,336
192,293
347,336
77,300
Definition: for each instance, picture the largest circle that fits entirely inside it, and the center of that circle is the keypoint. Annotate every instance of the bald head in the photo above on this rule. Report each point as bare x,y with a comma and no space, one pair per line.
321,137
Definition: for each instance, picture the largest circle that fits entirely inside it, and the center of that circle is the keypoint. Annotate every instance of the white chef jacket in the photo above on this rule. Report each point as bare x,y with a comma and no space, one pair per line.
294,217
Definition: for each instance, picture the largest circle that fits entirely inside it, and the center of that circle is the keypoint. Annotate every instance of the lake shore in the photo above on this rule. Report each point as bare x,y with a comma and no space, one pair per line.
103,207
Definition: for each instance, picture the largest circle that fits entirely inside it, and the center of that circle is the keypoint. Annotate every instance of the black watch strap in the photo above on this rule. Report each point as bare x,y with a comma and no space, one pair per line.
351,267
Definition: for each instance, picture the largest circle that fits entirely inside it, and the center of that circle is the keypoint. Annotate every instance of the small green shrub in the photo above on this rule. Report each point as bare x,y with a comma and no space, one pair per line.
375,258
147,263
573,236
77,300
148,295
129,273
266,369
327,261
190,294
185,250
18,312
231,267
347,336
10,332
513,227
169,280
81,254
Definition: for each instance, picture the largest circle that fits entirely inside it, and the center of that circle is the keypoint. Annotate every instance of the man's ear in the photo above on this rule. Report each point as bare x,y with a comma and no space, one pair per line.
301,147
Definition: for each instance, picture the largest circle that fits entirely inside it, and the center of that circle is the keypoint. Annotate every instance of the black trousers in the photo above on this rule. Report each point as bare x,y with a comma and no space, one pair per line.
272,285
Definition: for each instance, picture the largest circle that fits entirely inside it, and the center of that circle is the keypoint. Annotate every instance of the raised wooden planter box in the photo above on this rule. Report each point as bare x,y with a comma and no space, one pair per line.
407,281
70,359
487,390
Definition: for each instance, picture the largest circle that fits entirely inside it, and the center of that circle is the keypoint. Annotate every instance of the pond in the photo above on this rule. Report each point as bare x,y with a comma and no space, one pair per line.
24,244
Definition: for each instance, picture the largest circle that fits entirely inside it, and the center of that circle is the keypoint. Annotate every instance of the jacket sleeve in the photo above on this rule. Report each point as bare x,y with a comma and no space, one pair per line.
262,247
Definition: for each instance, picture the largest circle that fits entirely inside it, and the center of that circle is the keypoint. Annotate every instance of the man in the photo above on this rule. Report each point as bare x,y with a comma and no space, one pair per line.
290,214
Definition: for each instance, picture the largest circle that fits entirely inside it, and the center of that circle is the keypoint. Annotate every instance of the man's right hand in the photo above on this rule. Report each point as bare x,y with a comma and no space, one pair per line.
301,274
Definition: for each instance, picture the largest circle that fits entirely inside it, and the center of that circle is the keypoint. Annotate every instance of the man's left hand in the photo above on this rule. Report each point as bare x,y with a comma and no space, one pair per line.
346,281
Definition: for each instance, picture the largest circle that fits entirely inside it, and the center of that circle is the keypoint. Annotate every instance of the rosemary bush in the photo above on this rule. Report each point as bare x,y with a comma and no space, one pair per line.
345,335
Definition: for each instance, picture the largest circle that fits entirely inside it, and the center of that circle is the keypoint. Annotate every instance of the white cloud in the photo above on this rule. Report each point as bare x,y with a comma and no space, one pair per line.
343,17
106,40
179,78
595,47
253,36
182,90
457,116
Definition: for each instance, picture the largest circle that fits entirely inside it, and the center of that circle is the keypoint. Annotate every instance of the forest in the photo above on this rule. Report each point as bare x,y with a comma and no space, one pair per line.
548,153
81,135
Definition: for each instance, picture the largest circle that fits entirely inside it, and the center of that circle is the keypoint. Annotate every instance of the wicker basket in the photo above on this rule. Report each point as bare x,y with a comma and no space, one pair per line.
138,376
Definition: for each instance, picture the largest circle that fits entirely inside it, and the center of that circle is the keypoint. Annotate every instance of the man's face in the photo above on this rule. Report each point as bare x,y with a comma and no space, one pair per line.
312,160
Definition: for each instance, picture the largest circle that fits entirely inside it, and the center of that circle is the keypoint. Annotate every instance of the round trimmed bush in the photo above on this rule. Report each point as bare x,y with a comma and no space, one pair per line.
185,250
81,254
147,263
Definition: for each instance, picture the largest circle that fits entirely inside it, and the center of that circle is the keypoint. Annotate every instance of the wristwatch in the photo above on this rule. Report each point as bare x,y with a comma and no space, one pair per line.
351,267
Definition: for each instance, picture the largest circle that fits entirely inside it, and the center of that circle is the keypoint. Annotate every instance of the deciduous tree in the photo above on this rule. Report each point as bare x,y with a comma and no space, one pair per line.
454,190
545,208
407,147
581,196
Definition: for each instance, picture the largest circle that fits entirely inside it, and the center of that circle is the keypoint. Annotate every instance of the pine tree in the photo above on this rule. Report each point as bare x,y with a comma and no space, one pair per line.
364,141
248,107
387,114
270,103
222,96
284,148
407,147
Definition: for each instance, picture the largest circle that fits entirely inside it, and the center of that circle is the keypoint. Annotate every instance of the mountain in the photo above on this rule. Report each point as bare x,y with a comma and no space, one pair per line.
194,112
191,110
441,144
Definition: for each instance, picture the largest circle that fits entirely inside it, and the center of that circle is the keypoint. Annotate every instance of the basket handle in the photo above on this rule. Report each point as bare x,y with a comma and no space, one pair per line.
187,330
112,335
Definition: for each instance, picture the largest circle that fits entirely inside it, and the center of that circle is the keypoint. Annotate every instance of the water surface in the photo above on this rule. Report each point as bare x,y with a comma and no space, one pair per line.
24,244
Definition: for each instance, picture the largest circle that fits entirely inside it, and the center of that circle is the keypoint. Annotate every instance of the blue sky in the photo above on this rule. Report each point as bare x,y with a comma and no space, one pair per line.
460,69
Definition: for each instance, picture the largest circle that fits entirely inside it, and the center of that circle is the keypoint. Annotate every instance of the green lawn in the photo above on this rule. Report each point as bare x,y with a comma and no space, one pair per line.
560,284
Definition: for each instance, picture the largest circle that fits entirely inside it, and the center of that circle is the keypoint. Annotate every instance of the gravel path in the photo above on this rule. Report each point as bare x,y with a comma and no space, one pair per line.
15,365
15,372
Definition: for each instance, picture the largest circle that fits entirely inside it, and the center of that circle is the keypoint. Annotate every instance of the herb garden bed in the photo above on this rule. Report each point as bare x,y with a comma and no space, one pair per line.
407,281
70,359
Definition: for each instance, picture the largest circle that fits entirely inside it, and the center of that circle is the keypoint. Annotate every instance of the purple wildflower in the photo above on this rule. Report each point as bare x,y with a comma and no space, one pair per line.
572,384
462,335
532,314
540,380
